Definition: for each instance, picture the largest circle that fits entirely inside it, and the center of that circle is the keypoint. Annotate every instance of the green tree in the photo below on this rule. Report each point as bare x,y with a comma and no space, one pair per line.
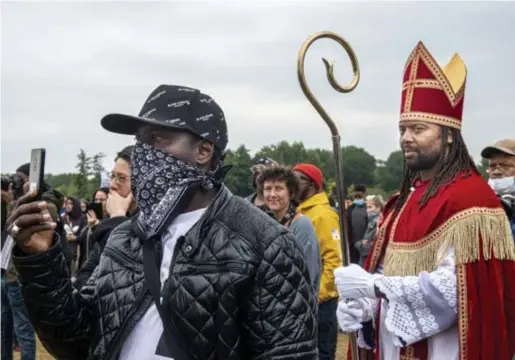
482,167
97,168
82,178
284,152
239,177
59,180
390,175
358,165
324,159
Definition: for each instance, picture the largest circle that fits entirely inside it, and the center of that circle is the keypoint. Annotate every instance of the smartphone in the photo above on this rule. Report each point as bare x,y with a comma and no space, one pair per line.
97,209
37,171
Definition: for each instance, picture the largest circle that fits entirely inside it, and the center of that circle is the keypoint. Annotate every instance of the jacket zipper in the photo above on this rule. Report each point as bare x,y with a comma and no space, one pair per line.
200,268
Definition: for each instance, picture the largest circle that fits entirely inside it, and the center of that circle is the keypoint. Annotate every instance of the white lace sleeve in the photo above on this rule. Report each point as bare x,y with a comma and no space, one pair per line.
421,306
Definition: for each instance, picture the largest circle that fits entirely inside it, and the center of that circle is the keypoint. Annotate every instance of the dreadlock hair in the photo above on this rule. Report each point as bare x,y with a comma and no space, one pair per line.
449,165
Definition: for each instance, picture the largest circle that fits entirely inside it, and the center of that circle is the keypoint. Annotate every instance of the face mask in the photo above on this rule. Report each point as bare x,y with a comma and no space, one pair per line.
359,202
163,186
503,186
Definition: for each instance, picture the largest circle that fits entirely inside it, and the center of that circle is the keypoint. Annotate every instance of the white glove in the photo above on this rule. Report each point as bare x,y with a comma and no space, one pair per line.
352,313
353,282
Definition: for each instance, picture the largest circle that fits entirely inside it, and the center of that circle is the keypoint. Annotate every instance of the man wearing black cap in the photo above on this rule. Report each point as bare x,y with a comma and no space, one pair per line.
229,281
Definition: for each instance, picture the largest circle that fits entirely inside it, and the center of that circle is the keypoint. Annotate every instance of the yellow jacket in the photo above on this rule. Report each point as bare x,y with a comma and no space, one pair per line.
327,227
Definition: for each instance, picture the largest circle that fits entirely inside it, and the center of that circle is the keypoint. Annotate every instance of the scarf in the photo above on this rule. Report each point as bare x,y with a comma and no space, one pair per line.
290,214
164,185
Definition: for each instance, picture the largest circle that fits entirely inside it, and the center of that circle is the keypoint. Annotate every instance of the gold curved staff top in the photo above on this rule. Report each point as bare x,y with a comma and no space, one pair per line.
340,191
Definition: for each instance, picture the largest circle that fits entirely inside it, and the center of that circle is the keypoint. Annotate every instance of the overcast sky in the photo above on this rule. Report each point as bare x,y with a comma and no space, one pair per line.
65,65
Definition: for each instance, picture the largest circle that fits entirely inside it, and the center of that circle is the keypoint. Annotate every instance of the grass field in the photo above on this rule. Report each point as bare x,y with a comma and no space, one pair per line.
340,353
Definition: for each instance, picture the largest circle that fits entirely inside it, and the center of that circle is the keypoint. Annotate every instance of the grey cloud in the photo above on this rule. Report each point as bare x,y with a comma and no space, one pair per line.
65,65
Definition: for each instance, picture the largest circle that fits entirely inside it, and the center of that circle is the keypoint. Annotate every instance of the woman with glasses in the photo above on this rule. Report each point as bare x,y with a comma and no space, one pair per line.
119,206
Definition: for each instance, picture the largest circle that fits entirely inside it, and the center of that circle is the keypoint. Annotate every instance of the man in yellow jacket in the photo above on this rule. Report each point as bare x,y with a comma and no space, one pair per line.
315,205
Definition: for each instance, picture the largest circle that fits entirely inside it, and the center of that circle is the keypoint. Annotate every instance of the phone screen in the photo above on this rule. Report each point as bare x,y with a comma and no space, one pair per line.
37,170
97,209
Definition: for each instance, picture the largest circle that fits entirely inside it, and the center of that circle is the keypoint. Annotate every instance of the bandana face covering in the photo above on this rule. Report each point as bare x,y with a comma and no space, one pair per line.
160,182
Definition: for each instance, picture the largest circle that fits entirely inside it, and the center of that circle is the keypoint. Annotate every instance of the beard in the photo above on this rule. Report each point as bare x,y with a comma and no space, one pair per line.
303,195
422,161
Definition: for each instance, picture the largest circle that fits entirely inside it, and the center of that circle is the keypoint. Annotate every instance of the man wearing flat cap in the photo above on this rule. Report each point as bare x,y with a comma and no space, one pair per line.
501,174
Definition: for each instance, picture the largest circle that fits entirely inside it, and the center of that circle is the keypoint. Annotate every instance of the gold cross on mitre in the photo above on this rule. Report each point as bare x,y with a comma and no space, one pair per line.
432,93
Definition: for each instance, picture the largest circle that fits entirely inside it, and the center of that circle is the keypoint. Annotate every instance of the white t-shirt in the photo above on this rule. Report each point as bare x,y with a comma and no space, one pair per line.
142,343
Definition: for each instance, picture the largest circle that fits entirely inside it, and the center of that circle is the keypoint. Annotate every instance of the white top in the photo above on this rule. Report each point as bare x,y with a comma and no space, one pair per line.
143,341
421,307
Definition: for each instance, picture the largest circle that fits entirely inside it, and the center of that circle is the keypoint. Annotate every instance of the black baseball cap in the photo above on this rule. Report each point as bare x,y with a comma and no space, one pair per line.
265,161
262,162
175,107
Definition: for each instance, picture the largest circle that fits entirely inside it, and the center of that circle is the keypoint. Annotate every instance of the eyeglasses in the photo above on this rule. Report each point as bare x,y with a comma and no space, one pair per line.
119,179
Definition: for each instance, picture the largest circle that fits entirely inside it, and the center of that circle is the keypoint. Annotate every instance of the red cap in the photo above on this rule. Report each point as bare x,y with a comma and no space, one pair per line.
431,93
312,172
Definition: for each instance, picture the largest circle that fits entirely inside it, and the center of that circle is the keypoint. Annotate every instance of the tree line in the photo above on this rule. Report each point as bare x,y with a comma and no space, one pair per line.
360,167
84,181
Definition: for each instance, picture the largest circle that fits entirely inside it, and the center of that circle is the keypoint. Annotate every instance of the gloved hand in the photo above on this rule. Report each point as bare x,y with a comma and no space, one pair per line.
353,282
351,313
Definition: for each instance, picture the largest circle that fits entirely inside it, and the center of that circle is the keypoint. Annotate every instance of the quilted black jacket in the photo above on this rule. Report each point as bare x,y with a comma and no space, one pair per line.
238,289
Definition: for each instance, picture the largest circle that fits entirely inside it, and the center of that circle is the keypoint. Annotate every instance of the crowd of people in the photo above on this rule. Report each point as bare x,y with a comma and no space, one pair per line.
174,266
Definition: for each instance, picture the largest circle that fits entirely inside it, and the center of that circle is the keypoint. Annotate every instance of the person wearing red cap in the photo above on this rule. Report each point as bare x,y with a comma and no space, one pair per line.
314,204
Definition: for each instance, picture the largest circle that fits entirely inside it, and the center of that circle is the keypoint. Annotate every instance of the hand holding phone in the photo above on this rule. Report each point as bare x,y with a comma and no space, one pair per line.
37,172
96,208
31,224
92,218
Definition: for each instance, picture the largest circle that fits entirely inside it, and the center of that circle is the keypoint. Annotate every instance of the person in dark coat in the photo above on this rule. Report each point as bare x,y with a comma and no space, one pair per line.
120,205
357,220
73,223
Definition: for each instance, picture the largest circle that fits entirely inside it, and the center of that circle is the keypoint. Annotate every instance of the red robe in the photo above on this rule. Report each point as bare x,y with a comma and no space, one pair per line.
467,216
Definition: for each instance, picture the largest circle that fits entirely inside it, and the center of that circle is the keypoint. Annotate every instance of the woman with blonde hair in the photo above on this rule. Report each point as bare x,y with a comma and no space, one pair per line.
374,207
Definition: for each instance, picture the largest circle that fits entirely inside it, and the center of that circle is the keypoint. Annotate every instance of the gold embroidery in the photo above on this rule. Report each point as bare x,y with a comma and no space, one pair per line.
410,84
396,222
455,69
432,118
461,278
422,83
463,232
378,247
410,354
381,235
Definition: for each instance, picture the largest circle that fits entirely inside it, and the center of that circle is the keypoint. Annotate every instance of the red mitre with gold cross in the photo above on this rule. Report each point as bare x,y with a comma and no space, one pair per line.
431,93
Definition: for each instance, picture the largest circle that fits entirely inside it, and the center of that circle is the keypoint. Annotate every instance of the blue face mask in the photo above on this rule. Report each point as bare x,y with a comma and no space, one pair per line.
359,202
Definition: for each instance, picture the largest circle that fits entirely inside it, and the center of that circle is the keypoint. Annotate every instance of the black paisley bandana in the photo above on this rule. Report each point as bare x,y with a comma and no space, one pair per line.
160,182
